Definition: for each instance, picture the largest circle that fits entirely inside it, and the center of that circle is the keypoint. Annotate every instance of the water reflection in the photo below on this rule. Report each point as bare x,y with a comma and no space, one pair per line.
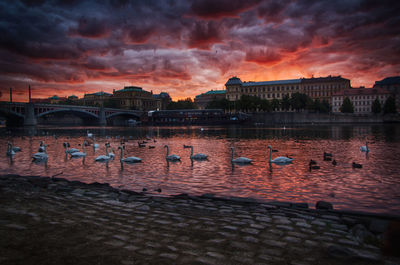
374,187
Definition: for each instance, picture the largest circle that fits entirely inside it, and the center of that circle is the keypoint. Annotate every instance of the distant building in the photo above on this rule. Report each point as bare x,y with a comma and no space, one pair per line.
203,99
96,99
362,98
56,99
393,85
165,99
132,97
73,97
321,87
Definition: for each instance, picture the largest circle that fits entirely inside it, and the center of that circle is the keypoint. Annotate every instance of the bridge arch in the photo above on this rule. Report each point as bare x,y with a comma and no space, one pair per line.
121,118
12,118
67,116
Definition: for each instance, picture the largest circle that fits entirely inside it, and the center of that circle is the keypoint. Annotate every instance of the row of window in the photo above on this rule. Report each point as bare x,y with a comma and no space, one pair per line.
361,97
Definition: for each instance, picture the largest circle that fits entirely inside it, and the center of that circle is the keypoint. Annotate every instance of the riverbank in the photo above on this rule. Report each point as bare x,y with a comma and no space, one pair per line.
56,221
288,118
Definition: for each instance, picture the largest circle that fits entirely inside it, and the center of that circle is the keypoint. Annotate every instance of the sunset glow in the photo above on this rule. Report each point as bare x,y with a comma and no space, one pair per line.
186,48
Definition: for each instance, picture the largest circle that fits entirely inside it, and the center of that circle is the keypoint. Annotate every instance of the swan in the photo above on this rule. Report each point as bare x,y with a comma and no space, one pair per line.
90,135
279,159
10,151
103,158
198,156
240,160
131,159
171,157
69,150
95,146
79,154
364,148
40,155
111,153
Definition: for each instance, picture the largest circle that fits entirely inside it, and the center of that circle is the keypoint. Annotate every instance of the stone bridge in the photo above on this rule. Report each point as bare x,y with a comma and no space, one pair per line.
30,113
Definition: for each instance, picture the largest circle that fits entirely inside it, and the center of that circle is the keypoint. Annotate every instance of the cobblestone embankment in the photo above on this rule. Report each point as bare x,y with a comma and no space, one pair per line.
56,221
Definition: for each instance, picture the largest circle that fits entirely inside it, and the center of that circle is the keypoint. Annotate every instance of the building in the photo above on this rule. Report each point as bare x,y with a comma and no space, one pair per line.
132,97
203,99
165,99
96,99
362,98
393,85
321,88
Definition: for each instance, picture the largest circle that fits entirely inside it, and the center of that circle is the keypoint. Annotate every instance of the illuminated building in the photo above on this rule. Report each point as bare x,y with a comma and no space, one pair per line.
203,99
132,97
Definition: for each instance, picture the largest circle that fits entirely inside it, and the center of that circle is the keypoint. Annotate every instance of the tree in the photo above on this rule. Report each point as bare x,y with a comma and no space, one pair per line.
299,101
219,104
275,104
182,104
347,106
390,105
285,102
376,106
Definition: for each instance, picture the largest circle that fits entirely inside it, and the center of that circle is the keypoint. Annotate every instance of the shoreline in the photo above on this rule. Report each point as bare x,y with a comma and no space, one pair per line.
181,229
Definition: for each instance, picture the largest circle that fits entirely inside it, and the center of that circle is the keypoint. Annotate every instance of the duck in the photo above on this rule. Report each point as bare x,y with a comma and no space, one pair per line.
334,162
198,156
364,148
327,154
42,147
79,154
356,165
239,160
312,162
171,157
131,159
313,165
280,159
141,144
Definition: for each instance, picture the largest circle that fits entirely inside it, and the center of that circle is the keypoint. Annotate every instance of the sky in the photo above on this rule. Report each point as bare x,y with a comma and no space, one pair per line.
188,47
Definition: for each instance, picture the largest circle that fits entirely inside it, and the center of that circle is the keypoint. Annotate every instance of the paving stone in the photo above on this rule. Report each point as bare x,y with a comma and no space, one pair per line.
297,234
169,256
240,245
121,237
251,231
291,239
348,242
263,219
274,243
303,224
147,251
16,226
115,243
230,227
215,255
131,247
310,243
339,227
285,227
250,239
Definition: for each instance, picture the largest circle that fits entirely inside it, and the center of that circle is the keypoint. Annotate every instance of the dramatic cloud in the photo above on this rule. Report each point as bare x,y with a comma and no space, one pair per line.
189,47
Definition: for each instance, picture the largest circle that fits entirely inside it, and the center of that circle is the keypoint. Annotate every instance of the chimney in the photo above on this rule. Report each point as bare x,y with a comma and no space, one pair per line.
10,94
29,93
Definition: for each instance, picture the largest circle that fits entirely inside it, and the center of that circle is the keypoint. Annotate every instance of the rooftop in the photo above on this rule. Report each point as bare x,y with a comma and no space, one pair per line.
101,93
361,91
389,81
276,82
323,79
130,89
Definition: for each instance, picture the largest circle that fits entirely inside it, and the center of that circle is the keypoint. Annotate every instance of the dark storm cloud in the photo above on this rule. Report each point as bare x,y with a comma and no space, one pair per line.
168,43
211,9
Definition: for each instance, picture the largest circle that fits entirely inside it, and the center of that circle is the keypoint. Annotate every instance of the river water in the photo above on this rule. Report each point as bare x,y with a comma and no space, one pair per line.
373,188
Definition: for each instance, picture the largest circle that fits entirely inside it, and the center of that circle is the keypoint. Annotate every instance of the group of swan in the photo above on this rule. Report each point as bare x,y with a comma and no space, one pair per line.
277,160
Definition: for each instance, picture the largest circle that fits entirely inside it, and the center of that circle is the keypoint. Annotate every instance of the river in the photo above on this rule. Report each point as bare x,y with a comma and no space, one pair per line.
372,188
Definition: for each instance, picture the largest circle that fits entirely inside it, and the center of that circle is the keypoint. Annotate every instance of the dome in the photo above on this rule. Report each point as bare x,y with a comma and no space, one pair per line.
234,81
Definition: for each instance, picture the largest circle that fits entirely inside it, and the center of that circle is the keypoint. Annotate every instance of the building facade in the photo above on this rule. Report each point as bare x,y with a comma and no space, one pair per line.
132,97
321,88
165,99
203,99
362,98
96,99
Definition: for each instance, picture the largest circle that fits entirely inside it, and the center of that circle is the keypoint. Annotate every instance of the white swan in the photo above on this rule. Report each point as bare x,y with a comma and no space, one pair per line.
364,148
111,153
10,151
79,154
103,158
131,159
90,135
280,159
95,146
171,157
69,150
39,156
240,160
198,156
15,148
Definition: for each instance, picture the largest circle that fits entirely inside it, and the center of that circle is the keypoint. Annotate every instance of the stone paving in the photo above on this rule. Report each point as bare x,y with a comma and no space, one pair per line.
55,221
